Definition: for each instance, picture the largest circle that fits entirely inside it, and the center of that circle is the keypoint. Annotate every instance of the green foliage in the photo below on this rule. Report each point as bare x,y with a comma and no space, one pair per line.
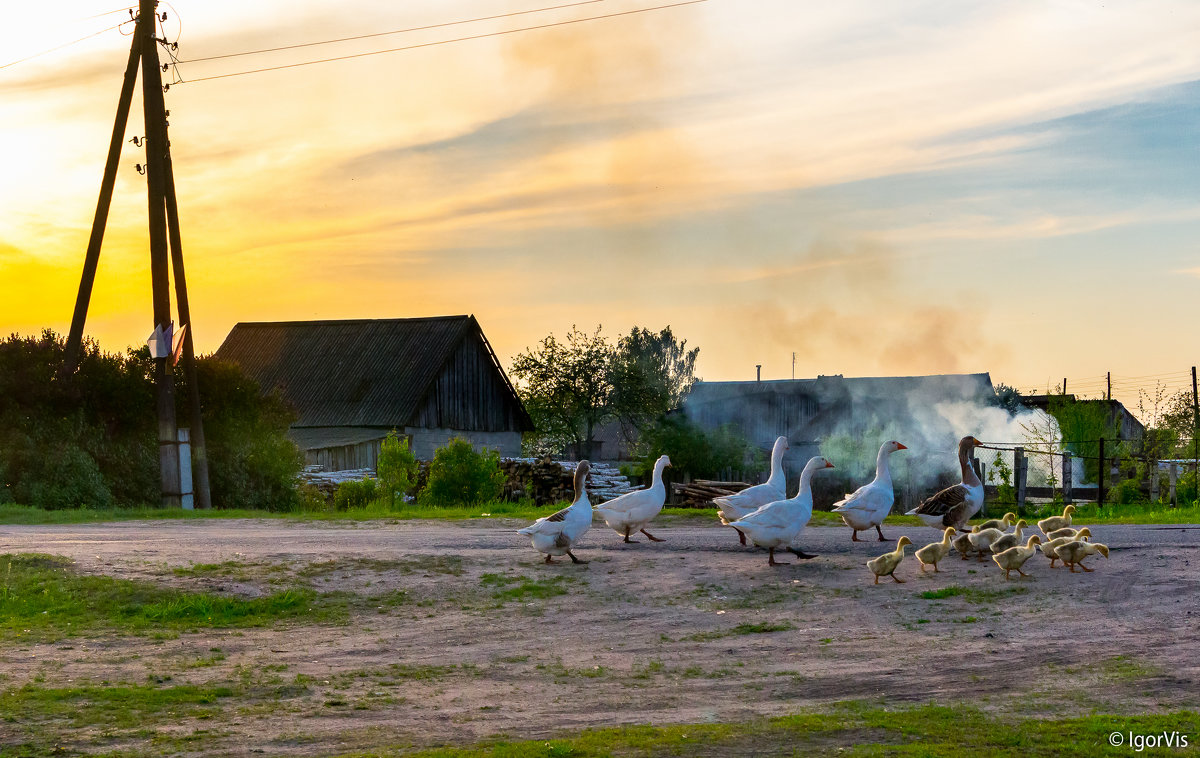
91,441
355,493
396,468
1082,424
1001,473
252,463
1009,398
696,452
572,388
461,475
1126,492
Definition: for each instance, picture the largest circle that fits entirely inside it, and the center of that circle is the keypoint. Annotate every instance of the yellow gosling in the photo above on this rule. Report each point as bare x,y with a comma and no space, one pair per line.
934,552
1083,534
1055,523
886,564
962,543
996,523
1073,553
983,539
1015,557
1050,549
1009,540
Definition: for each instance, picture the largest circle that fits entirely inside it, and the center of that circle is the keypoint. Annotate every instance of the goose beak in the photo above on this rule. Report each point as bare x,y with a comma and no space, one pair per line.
829,465
901,446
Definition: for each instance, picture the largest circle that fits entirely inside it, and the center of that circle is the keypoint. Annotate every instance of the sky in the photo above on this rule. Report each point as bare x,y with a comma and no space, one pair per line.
878,189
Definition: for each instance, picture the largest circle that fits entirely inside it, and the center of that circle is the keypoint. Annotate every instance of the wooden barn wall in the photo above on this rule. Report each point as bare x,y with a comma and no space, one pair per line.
761,418
468,395
345,457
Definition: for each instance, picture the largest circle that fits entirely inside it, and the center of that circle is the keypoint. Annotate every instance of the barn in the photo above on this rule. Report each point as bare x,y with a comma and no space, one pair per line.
352,382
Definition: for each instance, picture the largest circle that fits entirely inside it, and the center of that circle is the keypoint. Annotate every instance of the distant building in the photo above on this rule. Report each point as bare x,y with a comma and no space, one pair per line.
1126,424
809,410
352,382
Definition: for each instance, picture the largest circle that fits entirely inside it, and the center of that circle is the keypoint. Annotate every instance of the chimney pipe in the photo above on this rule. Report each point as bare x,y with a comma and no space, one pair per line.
758,372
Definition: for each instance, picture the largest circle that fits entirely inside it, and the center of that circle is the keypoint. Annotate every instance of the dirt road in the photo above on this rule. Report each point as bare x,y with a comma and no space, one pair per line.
492,642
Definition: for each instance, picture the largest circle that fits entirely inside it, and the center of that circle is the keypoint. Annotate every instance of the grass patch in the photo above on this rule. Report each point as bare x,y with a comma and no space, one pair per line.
508,588
122,706
740,629
43,596
972,594
851,729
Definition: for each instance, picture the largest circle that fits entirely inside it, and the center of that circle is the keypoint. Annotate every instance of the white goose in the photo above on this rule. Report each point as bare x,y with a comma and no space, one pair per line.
631,512
870,504
736,506
954,505
557,534
778,524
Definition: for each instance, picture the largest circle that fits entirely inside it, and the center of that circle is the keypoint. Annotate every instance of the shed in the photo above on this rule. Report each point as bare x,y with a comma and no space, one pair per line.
352,382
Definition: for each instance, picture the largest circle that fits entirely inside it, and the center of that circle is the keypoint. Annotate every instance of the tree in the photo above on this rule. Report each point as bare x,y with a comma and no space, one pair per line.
1009,398
570,388
567,388
652,374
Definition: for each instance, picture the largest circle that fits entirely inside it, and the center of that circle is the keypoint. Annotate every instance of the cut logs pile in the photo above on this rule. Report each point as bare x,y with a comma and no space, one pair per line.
547,481
700,493
328,481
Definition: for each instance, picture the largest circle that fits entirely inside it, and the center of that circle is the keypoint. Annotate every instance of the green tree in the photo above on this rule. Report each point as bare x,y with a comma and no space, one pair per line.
461,475
695,452
572,387
396,468
651,375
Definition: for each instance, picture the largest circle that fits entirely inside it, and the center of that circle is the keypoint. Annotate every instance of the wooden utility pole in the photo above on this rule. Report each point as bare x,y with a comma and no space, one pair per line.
163,223
100,220
160,274
1108,394
1195,427
199,449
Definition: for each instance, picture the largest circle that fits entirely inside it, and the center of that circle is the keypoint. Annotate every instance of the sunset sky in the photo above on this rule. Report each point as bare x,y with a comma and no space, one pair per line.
883,188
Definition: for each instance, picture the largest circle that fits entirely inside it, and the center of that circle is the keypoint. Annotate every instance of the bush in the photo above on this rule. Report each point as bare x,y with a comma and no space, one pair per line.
696,452
1126,492
355,494
310,499
92,441
461,475
397,468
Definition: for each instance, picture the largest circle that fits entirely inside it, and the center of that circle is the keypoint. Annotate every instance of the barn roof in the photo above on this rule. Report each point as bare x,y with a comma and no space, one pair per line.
965,386
364,372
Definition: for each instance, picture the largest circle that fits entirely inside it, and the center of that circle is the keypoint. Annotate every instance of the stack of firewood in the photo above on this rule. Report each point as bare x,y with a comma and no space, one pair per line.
700,493
547,481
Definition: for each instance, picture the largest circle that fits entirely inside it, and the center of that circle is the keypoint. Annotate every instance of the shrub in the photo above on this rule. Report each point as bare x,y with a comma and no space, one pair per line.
696,452
397,468
310,499
355,494
1126,492
461,475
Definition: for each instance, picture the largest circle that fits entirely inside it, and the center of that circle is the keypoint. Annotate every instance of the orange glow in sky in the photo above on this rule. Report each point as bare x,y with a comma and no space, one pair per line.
881,189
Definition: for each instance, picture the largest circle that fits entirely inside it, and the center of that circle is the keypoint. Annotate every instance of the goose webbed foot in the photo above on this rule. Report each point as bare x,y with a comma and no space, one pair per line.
771,558
801,554
574,559
881,537
652,537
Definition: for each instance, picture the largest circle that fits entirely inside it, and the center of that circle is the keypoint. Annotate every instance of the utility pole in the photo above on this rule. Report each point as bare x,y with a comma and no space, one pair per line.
100,220
1064,385
1195,427
154,112
163,224
1108,394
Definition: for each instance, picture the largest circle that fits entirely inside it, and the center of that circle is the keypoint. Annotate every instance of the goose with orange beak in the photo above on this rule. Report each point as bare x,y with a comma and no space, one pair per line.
779,524
870,504
954,505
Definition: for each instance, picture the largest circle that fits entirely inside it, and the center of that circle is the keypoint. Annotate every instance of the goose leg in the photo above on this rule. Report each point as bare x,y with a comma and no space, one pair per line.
741,537
801,553
854,535
573,558
652,537
771,558
897,581
627,530
935,568
1071,566
922,566
549,558
1006,574
1085,568
1022,573
881,537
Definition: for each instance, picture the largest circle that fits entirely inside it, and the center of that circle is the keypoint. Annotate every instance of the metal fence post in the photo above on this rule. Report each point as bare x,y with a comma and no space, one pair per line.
1021,473
1173,472
1067,478
1100,478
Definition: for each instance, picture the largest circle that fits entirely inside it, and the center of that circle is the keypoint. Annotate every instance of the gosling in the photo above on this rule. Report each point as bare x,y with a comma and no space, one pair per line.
935,551
1015,557
886,564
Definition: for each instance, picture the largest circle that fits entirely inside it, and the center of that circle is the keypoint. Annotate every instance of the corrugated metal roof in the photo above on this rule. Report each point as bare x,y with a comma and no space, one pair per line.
369,372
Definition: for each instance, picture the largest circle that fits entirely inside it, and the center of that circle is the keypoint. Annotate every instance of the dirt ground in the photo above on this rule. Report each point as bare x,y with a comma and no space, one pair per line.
695,629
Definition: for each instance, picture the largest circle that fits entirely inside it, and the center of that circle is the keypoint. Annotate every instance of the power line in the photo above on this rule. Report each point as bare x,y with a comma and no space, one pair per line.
67,44
108,13
396,31
448,41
